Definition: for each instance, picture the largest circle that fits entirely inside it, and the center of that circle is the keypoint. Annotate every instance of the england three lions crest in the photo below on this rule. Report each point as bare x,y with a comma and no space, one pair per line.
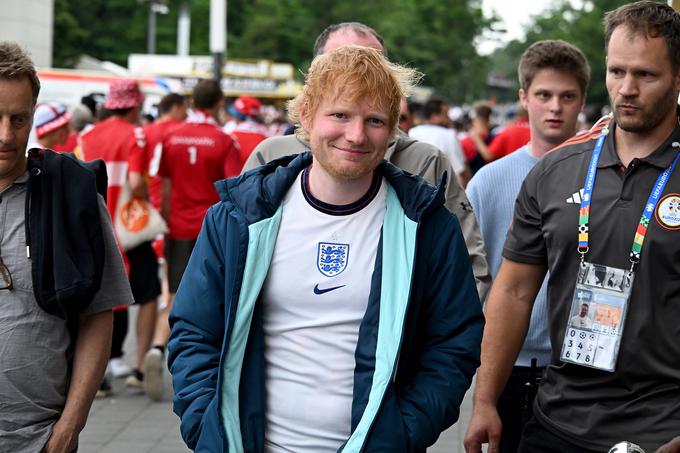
331,259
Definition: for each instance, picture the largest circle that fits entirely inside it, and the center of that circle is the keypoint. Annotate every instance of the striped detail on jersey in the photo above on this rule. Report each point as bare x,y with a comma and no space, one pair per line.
117,172
592,134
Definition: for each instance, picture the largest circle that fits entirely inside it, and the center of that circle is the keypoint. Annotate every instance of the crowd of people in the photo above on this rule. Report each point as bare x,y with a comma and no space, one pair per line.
335,284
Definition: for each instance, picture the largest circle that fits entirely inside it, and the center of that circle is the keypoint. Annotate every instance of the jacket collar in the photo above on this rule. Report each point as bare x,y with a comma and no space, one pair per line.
258,193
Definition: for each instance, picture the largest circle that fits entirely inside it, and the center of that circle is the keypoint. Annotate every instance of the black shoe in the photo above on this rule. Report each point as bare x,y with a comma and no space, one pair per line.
105,389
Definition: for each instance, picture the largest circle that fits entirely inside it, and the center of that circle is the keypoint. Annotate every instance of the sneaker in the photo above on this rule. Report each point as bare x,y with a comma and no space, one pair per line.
135,380
104,390
153,374
117,368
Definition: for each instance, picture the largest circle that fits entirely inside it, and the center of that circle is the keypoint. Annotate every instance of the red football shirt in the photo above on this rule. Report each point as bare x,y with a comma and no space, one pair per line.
155,133
69,146
119,144
510,139
195,155
469,147
248,135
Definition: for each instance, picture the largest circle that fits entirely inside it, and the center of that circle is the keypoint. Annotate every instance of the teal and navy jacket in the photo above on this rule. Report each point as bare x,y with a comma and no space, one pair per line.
419,341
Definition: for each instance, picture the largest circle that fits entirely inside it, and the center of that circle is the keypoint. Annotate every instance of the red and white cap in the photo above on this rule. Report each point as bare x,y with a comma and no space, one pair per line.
123,94
247,106
49,117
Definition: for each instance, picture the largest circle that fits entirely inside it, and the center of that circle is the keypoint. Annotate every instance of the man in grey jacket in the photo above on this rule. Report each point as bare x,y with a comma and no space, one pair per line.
406,153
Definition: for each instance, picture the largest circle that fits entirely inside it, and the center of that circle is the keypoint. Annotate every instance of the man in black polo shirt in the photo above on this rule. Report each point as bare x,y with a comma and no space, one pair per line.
577,215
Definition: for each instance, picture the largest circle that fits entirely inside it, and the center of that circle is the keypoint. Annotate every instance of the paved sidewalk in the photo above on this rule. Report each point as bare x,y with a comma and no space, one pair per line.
128,422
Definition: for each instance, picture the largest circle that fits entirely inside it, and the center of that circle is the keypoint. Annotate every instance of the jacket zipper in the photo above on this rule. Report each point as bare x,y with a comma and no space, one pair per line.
401,337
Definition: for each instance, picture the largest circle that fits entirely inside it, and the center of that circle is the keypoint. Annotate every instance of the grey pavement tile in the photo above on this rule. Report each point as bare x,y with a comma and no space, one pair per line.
88,447
124,446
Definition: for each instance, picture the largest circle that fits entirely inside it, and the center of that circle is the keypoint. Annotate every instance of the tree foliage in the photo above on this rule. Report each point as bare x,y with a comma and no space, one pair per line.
434,36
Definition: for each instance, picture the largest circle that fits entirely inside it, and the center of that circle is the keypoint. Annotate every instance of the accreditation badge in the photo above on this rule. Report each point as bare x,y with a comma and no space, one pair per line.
597,316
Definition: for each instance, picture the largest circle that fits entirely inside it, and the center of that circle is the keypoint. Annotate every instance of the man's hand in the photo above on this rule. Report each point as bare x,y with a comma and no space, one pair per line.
485,427
671,447
138,185
508,312
62,440
89,363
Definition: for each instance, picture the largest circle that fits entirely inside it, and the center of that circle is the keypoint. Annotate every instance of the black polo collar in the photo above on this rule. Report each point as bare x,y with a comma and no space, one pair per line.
661,157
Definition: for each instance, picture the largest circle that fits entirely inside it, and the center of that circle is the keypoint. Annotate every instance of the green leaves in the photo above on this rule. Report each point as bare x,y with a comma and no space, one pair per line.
434,36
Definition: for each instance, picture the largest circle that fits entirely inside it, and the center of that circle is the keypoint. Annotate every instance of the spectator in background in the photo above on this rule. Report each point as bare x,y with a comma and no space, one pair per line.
195,155
553,76
416,109
511,137
405,118
146,119
478,137
121,144
51,124
172,110
249,130
81,117
436,132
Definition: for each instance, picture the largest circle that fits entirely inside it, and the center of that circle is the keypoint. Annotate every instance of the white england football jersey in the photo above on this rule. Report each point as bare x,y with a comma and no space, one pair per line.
315,297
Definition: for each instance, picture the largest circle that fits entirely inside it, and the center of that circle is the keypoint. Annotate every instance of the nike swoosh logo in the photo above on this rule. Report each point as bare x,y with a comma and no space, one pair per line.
318,290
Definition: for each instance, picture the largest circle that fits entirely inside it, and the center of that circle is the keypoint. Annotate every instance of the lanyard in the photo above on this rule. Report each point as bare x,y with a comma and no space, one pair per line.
652,201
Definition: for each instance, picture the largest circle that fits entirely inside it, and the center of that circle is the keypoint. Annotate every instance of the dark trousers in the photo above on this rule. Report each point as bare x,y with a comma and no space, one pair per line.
120,329
538,439
514,405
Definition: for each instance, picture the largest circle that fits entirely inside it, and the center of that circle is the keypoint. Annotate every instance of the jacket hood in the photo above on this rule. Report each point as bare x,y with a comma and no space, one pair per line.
258,193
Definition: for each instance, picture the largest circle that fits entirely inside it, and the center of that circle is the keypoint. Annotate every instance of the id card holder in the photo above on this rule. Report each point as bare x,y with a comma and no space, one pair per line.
597,316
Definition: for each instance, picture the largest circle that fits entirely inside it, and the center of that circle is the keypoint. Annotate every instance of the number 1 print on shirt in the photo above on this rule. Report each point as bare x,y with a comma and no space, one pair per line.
193,152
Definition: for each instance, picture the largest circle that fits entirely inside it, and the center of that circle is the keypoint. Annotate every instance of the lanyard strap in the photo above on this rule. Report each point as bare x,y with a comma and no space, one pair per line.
650,206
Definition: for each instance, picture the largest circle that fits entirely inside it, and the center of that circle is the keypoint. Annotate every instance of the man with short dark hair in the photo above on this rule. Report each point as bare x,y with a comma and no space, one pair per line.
194,156
581,319
329,303
607,200
60,275
410,155
435,130
172,110
554,78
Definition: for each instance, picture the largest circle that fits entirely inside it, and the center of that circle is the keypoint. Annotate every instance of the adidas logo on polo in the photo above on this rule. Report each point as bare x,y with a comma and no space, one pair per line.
576,197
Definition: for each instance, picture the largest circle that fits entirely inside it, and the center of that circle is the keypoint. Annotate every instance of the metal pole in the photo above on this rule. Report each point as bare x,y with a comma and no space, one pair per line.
151,30
218,63
184,30
218,35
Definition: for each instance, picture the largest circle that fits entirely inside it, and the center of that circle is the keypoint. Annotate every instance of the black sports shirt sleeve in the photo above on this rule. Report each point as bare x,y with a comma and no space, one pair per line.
525,242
